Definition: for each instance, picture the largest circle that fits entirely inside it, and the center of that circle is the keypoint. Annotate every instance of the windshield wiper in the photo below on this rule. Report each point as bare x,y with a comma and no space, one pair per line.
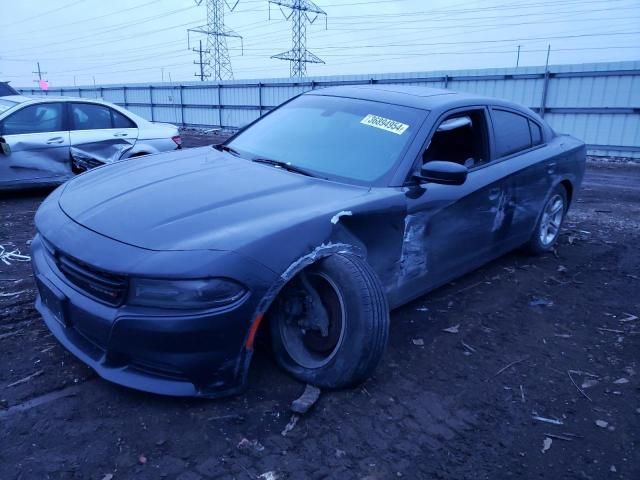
284,166
226,148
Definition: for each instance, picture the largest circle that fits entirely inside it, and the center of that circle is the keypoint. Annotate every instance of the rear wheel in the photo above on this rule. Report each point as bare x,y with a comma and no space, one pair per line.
547,229
329,325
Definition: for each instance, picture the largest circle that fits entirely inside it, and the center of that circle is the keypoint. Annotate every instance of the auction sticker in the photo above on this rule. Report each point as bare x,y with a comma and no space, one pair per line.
385,124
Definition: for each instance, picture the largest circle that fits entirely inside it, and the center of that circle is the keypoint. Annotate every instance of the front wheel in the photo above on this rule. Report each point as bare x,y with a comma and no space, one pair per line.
547,229
330,324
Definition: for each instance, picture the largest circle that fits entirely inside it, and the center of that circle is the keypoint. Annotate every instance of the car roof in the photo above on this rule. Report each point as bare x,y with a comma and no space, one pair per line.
16,98
426,98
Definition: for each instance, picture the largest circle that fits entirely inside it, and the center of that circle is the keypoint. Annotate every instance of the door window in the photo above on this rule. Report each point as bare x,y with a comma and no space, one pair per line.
511,132
41,118
460,138
88,116
120,121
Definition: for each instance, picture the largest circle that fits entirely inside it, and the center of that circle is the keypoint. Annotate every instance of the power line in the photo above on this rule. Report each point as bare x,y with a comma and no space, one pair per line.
46,13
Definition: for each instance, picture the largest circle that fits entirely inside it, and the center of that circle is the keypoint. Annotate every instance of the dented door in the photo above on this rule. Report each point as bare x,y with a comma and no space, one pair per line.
99,135
39,145
452,229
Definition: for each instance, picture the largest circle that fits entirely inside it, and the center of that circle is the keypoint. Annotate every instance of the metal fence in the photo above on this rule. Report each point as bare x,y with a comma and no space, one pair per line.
599,102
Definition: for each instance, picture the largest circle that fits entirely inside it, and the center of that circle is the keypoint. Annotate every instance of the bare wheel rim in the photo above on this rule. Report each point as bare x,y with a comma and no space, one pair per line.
309,348
551,220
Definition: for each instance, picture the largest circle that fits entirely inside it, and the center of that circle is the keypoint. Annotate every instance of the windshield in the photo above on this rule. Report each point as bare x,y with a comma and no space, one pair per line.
340,138
6,105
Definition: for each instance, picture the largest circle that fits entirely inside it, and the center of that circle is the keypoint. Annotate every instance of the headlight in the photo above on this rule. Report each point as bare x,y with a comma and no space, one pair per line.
181,294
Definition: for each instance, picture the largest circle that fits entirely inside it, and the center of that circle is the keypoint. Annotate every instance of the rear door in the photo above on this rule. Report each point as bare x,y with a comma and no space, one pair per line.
519,145
38,139
99,134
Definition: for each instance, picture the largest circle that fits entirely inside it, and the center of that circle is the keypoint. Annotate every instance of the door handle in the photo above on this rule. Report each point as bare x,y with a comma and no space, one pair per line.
551,168
120,134
494,193
51,141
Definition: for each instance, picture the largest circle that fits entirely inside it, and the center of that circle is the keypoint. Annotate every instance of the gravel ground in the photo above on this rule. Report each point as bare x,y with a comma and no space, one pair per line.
552,336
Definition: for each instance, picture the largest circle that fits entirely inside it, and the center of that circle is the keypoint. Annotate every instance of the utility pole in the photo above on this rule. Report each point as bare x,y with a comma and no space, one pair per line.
39,73
202,63
299,56
518,57
546,65
218,62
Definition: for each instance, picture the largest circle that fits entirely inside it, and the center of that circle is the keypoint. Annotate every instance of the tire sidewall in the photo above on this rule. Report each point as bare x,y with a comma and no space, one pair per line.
352,361
535,244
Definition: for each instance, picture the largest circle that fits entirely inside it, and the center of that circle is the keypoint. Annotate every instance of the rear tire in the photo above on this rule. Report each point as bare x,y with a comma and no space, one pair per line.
345,350
550,220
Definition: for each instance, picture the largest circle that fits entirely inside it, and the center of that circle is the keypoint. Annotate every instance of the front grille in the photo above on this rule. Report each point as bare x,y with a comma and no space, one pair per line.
105,286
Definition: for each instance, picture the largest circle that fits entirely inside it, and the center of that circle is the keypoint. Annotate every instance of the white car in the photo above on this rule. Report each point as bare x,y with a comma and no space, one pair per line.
46,140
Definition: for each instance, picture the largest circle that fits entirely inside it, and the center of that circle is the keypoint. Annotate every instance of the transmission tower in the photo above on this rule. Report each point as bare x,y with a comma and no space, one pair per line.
300,12
216,64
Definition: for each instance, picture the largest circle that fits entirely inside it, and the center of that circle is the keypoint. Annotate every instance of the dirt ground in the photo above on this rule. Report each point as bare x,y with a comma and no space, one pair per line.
553,336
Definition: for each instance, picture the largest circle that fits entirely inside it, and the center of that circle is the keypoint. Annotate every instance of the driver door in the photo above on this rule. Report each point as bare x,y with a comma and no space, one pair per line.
453,229
38,145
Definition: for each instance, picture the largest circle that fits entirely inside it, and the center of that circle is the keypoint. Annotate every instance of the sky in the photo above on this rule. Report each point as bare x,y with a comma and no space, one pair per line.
82,42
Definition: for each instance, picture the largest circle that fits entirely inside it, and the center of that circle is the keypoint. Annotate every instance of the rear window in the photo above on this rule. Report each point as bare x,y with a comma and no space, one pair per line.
120,121
511,132
536,133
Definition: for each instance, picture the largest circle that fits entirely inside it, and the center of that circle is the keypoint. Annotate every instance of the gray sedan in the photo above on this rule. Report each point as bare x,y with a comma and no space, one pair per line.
45,141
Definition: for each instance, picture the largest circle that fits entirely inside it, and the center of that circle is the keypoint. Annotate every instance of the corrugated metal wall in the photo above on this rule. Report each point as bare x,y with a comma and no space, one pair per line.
599,102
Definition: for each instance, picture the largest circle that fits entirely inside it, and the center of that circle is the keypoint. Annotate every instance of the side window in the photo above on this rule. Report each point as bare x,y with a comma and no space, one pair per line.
511,132
41,118
460,138
536,133
88,116
120,121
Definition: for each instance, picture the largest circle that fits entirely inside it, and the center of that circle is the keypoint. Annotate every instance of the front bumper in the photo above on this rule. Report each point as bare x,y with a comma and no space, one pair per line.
171,352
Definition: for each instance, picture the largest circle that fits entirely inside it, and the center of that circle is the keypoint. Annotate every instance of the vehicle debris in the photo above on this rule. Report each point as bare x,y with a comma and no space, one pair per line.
269,476
26,379
553,421
12,256
308,398
602,423
510,365
559,437
245,443
468,347
453,329
541,302
546,444
569,372
621,381
628,318
291,425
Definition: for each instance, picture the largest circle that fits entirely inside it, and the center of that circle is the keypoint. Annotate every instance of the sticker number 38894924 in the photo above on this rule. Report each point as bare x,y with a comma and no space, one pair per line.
385,124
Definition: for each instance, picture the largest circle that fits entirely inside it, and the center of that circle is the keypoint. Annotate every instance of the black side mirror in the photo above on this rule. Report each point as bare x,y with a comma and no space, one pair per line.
445,173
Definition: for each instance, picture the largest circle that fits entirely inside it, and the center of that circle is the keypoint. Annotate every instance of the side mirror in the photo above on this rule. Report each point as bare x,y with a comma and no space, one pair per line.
5,147
445,173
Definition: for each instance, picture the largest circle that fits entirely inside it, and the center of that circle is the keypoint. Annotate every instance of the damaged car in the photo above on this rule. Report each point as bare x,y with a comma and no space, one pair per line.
47,140
305,229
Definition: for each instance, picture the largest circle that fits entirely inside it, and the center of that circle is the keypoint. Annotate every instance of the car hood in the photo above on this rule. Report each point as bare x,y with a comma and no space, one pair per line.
197,199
